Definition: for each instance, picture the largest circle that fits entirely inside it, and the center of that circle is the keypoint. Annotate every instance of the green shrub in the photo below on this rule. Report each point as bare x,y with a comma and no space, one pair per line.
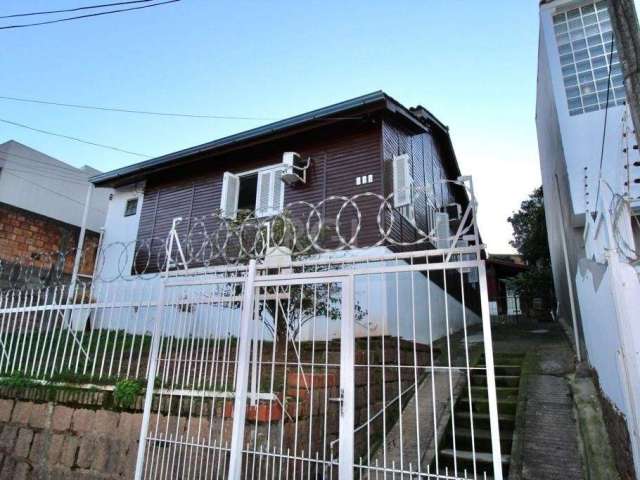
126,392
17,380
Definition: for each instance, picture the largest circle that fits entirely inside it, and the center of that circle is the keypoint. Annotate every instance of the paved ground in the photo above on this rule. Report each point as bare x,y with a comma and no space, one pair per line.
547,439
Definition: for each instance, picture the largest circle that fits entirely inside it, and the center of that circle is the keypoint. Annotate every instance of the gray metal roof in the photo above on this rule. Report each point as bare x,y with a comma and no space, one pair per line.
329,112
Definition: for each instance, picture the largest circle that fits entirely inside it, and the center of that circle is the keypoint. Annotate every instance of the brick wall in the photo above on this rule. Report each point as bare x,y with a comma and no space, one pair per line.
26,236
45,440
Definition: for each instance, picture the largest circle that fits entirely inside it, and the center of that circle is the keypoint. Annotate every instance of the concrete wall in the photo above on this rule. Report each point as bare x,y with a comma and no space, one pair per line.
581,135
36,182
571,150
560,215
405,304
120,233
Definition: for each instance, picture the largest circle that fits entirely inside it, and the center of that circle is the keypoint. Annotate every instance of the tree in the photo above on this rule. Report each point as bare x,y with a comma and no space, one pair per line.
530,239
284,310
530,230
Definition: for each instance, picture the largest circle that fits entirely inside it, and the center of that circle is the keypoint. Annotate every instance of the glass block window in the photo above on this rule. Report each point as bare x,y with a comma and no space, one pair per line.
584,44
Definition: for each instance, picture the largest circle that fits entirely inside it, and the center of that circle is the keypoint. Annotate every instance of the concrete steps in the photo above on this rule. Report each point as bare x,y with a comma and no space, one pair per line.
466,444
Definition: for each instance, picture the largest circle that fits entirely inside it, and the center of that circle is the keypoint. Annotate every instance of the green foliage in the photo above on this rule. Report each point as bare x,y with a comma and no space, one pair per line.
530,230
126,392
17,380
530,239
100,345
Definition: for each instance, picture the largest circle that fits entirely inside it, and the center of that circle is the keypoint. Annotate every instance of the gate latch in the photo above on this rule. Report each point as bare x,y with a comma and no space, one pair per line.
340,400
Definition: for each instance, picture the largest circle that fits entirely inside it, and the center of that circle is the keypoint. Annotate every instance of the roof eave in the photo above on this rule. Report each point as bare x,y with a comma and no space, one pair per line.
263,132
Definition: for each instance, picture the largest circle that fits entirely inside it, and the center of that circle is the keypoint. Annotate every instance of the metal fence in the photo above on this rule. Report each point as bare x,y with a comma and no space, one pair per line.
369,364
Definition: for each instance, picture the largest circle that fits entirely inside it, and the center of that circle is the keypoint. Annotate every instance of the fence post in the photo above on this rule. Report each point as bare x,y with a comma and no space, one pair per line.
491,378
151,377
242,376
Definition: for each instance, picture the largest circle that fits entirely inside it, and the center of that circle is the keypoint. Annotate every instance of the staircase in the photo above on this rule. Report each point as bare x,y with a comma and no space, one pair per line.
471,446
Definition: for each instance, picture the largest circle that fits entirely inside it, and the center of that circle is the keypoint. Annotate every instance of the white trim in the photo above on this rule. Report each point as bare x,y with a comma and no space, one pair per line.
255,171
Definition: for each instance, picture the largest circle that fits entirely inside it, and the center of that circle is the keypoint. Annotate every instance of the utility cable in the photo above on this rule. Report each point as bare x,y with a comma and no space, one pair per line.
88,15
156,113
75,139
51,190
76,9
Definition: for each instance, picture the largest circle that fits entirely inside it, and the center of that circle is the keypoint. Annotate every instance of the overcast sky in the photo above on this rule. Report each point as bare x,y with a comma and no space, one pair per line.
472,63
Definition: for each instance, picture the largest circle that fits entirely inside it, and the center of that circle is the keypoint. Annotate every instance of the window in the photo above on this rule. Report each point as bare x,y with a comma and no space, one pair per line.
403,187
260,191
131,207
584,44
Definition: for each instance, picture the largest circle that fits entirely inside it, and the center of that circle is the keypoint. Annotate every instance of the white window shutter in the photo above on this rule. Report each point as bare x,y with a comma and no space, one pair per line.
230,192
401,181
278,190
263,194
269,193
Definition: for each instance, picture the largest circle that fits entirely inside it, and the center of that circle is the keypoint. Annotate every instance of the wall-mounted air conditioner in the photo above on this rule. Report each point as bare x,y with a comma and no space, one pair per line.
295,168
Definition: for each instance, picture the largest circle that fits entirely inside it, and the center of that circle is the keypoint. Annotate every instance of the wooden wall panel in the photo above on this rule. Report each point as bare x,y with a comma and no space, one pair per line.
338,154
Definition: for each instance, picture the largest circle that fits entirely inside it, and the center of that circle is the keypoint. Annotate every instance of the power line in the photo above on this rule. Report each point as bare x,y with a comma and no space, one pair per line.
49,175
59,171
77,9
59,163
156,113
126,110
75,139
88,15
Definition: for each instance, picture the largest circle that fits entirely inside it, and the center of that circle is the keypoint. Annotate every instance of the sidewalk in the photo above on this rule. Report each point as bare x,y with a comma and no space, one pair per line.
549,443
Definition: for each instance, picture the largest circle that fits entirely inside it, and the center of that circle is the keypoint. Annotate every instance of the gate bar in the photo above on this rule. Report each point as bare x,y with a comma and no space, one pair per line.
242,375
347,382
153,360
491,378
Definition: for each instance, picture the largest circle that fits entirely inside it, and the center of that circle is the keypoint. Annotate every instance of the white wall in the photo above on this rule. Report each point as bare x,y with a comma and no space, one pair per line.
607,290
419,308
120,234
33,181
593,288
581,135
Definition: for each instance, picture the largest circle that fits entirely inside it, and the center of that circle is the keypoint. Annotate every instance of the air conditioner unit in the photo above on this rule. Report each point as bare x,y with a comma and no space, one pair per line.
295,168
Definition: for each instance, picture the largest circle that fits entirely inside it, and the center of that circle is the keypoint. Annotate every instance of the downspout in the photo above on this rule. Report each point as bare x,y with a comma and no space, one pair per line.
80,245
567,268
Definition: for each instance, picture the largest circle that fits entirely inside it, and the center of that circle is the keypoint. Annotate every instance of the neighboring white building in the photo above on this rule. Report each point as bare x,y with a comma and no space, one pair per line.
590,221
35,182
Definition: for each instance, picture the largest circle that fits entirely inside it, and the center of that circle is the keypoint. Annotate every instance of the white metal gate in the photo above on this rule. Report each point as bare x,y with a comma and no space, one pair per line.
353,368
227,383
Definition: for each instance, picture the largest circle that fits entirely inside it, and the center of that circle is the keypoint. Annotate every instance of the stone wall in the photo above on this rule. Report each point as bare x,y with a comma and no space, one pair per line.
49,441
71,432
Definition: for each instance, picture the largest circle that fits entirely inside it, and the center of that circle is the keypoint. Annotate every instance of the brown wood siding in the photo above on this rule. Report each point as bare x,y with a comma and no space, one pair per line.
338,154
426,165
